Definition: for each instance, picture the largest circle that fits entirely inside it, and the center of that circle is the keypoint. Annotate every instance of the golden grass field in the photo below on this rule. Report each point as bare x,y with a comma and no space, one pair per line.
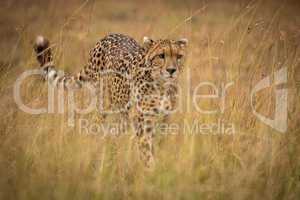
41,157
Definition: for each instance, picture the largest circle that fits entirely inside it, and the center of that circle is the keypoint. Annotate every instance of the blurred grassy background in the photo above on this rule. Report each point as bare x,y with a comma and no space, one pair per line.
241,41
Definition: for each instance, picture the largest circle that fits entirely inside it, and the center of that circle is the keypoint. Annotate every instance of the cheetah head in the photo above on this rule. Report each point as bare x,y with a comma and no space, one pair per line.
165,57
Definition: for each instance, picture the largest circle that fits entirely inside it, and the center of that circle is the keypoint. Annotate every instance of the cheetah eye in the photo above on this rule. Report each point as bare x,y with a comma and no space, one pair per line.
161,56
179,57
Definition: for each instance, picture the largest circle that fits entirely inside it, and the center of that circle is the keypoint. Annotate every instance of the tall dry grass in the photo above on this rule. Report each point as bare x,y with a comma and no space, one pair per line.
41,157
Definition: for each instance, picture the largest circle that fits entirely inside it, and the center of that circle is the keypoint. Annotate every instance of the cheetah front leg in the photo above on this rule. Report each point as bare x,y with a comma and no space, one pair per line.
144,129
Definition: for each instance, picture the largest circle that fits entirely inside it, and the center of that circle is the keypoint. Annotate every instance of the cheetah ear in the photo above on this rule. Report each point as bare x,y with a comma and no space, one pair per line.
183,42
147,42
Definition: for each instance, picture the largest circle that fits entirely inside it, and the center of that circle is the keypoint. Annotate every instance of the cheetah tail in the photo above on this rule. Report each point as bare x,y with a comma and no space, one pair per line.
44,56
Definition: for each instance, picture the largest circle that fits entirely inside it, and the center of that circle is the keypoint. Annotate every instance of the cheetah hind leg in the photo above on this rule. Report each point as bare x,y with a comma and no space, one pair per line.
123,123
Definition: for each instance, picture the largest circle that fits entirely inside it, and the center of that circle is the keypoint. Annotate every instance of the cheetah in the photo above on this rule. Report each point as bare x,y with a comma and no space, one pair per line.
141,79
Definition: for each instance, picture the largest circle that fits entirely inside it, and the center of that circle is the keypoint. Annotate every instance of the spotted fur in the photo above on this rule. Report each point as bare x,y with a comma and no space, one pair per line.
140,78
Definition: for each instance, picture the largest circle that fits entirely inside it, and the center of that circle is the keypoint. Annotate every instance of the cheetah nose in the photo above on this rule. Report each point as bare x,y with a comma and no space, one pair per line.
171,70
